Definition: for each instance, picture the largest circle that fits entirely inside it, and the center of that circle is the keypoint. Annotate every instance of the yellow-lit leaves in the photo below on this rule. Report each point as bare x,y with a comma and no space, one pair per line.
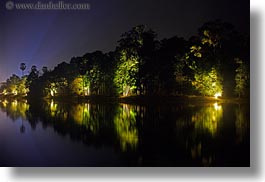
210,38
196,51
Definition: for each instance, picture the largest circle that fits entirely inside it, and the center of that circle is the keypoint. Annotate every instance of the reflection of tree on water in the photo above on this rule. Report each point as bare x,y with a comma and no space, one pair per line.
205,123
208,118
88,116
90,123
22,127
169,135
241,122
56,110
15,110
125,126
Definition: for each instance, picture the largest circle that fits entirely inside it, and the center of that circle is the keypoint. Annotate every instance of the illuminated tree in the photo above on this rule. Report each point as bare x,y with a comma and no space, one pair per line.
134,70
208,83
126,74
142,65
22,86
96,79
209,60
80,86
12,84
241,78
77,86
221,44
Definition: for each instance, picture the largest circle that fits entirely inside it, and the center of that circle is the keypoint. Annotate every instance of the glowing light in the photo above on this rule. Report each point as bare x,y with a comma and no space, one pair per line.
14,103
53,108
5,102
15,92
53,92
217,107
4,92
208,118
87,91
217,95
126,128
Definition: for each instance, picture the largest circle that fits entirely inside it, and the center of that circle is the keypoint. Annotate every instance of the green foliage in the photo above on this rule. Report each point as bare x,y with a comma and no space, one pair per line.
126,74
196,51
241,79
15,86
208,83
95,76
142,65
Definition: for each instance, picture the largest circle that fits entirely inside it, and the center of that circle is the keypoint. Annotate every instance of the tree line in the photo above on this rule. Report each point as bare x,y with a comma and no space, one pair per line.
215,62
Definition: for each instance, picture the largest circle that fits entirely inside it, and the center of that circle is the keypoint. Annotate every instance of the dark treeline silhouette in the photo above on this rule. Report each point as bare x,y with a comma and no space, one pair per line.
215,62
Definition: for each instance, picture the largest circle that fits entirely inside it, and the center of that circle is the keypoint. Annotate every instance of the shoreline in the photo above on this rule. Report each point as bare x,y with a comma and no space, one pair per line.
139,100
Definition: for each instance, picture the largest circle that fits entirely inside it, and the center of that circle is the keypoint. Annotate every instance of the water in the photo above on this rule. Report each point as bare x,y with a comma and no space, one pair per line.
89,134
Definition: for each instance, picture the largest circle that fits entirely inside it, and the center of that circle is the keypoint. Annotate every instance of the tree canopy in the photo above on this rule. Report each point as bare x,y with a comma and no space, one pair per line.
213,62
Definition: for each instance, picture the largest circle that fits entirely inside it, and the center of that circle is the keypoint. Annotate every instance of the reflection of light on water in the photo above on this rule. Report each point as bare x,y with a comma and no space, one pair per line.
208,118
88,116
196,151
14,103
125,125
53,108
217,107
5,102
206,121
241,123
86,108
15,108
81,114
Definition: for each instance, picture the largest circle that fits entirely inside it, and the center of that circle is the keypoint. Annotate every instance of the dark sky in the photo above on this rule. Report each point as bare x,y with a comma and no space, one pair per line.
48,37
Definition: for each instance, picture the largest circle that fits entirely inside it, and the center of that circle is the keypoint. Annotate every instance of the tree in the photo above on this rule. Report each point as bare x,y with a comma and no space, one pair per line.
209,51
33,83
22,86
221,44
23,67
83,73
208,83
241,78
169,66
133,68
12,84
126,74
44,69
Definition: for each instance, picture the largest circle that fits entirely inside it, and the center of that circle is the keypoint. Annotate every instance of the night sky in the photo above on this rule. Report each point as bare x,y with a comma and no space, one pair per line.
48,37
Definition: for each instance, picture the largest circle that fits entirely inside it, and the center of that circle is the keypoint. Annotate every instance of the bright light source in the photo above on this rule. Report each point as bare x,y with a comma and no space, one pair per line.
53,92
217,107
5,92
217,95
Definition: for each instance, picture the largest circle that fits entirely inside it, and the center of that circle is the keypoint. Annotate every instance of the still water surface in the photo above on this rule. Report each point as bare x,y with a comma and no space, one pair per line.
88,134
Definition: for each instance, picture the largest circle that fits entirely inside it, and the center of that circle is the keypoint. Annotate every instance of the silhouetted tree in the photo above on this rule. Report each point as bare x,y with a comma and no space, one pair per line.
23,67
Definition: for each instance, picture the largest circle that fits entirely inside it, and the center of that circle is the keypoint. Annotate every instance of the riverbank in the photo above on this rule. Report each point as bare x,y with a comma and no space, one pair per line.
178,100
139,100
